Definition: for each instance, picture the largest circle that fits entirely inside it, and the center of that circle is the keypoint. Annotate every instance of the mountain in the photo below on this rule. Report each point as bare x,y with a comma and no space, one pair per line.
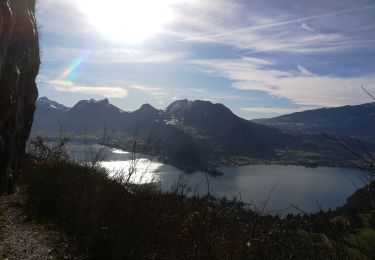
90,116
186,132
217,125
47,115
342,121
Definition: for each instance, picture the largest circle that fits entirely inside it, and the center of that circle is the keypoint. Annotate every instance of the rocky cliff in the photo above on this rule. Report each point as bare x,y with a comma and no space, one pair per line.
19,66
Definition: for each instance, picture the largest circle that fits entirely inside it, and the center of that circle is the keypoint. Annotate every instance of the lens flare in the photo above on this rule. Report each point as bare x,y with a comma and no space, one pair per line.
73,71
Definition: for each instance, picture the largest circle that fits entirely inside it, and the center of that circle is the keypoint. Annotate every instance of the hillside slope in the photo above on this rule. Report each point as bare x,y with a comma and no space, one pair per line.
343,121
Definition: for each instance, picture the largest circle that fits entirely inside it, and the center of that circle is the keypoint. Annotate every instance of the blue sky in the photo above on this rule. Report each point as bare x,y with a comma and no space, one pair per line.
259,58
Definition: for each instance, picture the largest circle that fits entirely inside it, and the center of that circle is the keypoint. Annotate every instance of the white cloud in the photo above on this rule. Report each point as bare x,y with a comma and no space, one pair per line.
146,88
246,28
241,24
156,92
275,110
305,26
303,70
63,19
114,55
300,86
67,86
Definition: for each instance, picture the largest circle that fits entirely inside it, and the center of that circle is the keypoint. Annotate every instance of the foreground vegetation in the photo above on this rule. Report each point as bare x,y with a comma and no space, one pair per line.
110,218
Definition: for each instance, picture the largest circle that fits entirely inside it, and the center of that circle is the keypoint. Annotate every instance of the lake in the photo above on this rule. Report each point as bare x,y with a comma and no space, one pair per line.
281,186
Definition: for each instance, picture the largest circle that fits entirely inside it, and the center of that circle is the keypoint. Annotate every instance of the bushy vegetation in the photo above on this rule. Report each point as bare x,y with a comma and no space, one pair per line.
110,218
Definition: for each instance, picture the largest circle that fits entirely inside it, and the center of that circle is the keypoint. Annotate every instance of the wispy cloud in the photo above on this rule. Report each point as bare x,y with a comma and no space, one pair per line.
253,45
275,110
304,71
299,85
244,28
67,86
170,93
156,92
241,24
113,55
305,26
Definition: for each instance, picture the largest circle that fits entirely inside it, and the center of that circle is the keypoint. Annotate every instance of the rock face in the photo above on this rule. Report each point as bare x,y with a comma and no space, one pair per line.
19,66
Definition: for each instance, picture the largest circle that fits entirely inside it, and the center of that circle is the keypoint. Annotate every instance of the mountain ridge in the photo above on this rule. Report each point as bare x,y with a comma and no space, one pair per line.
355,120
190,134
198,130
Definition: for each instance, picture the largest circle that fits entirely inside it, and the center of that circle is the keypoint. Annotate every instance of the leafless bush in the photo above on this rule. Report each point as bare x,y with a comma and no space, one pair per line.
113,221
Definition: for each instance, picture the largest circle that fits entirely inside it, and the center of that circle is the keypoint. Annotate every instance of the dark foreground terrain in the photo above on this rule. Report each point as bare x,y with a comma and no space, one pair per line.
114,219
23,237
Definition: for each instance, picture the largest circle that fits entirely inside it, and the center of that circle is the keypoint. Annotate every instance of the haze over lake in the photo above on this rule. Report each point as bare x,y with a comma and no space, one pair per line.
307,188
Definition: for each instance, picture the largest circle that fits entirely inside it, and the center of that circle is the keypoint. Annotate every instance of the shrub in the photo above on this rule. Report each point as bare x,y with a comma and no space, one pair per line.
111,219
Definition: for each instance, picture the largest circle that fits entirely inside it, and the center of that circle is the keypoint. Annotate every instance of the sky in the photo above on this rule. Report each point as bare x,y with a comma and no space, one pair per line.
259,58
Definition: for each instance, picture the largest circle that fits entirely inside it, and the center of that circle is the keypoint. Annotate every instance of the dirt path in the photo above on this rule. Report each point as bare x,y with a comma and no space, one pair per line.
21,238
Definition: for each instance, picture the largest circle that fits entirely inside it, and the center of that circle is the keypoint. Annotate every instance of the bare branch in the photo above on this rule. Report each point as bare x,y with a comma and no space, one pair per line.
367,92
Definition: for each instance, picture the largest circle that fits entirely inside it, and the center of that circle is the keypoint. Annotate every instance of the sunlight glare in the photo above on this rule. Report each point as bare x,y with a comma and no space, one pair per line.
128,21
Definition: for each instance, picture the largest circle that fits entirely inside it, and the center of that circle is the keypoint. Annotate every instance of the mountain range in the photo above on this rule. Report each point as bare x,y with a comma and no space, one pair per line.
188,134
358,121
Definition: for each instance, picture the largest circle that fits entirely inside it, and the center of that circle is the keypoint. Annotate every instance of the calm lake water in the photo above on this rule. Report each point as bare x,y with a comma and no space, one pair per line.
280,185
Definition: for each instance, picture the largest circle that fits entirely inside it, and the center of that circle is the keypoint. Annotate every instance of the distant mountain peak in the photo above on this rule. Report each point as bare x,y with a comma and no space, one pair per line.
102,101
178,105
46,102
197,107
147,107
181,102
44,99
203,102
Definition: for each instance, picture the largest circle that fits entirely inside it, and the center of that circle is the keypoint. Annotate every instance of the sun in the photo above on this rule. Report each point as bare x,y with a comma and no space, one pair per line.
128,21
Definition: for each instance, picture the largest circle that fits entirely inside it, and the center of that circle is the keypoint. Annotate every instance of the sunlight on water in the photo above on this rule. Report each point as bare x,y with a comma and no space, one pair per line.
145,171
118,151
307,188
